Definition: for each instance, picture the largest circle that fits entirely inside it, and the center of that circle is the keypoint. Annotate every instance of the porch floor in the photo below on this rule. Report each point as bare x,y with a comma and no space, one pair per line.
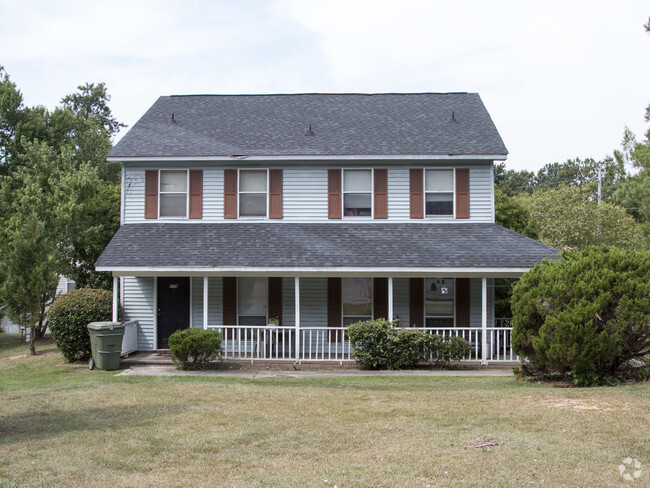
160,364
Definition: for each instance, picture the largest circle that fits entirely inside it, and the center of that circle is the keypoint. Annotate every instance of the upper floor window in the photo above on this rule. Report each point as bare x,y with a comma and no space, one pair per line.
173,193
357,192
439,192
253,184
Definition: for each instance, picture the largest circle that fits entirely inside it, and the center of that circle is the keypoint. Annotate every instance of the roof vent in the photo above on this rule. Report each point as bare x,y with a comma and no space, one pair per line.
453,119
309,131
173,119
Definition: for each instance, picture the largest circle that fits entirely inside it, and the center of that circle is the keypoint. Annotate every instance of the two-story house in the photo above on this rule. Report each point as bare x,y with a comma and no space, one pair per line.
281,219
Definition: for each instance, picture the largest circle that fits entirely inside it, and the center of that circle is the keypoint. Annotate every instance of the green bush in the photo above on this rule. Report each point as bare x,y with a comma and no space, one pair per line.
69,316
585,314
194,348
369,340
375,344
407,348
452,349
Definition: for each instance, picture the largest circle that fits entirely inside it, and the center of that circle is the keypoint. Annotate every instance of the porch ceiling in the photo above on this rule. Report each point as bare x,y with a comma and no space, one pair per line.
308,249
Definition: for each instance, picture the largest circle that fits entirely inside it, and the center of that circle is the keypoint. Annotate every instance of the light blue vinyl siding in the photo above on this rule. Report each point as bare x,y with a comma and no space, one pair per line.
138,304
476,302
313,302
305,191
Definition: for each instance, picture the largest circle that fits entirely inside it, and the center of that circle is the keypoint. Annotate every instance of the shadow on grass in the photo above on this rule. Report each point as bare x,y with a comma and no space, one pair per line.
41,425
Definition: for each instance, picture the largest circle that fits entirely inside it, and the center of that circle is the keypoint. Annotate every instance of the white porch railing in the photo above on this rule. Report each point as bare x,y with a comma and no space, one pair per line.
318,344
130,339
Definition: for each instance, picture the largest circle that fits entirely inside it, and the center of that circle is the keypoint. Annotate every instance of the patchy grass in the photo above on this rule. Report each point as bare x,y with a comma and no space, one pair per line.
62,425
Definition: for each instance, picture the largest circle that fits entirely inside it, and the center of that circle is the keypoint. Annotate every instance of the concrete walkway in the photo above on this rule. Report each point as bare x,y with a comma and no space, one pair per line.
167,370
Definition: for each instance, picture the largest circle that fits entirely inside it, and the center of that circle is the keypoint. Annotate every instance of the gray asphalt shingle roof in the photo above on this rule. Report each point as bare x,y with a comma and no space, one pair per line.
342,124
374,245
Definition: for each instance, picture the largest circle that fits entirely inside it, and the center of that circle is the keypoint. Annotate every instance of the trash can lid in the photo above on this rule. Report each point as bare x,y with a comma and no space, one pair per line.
105,325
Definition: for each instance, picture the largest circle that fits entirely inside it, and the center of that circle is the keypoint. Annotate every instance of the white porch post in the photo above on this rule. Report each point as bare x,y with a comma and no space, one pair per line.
297,318
484,321
116,288
390,299
205,302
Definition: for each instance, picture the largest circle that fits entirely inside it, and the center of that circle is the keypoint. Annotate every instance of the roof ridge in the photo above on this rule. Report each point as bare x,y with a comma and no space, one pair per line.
318,94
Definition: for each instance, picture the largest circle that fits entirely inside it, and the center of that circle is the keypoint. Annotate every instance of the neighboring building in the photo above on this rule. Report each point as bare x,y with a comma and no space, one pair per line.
310,212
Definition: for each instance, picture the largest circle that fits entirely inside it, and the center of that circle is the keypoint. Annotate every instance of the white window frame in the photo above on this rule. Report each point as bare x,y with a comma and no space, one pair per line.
453,194
266,321
453,316
239,192
372,299
372,194
187,192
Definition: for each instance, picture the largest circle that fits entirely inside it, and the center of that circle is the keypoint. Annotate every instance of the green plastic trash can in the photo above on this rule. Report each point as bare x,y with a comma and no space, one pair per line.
106,344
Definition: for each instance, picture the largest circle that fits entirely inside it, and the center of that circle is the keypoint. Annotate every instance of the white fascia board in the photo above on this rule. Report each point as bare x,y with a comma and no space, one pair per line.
346,157
395,272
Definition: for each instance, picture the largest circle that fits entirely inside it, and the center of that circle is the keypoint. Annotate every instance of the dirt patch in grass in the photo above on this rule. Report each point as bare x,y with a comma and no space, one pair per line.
575,404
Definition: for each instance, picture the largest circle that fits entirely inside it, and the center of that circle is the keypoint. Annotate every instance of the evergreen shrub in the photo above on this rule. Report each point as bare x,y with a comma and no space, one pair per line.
194,348
68,318
584,315
376,344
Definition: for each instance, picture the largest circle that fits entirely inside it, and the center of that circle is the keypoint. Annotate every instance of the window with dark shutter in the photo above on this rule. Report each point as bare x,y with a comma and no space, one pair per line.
275,299
381,193
196,193
334,307
334,194
415,189
380,298
151,194
462,302
275,194
462,193
230,194
229,303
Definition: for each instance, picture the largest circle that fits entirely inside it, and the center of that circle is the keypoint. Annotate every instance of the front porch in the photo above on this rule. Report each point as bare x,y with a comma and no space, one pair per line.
295,321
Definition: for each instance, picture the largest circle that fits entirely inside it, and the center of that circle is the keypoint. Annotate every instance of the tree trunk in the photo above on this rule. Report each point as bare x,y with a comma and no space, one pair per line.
32,337
41,328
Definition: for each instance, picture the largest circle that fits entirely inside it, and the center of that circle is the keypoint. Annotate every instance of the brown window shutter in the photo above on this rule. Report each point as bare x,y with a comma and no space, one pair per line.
229,302
416,189
275,299
381,193
462,193
230,194
275,193
333,193
151,194
380,298
416,302
462,302
334,306
196,193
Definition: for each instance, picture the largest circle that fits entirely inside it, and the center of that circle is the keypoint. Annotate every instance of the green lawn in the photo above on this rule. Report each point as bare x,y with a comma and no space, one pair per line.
63,425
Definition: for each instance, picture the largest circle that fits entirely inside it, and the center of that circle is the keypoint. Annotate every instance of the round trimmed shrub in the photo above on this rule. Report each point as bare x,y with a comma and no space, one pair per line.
69,316
585,314
194,348
369,341
407,348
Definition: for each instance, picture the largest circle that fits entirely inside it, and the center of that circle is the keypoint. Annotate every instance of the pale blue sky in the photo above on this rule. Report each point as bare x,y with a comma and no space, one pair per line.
561,78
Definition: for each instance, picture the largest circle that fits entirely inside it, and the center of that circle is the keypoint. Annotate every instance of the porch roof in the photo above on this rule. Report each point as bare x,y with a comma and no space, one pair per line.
302,249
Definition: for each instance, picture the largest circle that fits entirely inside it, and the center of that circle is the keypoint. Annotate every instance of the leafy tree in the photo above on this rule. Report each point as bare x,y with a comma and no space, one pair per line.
513,215
28,271
584,314
566,216
512,182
